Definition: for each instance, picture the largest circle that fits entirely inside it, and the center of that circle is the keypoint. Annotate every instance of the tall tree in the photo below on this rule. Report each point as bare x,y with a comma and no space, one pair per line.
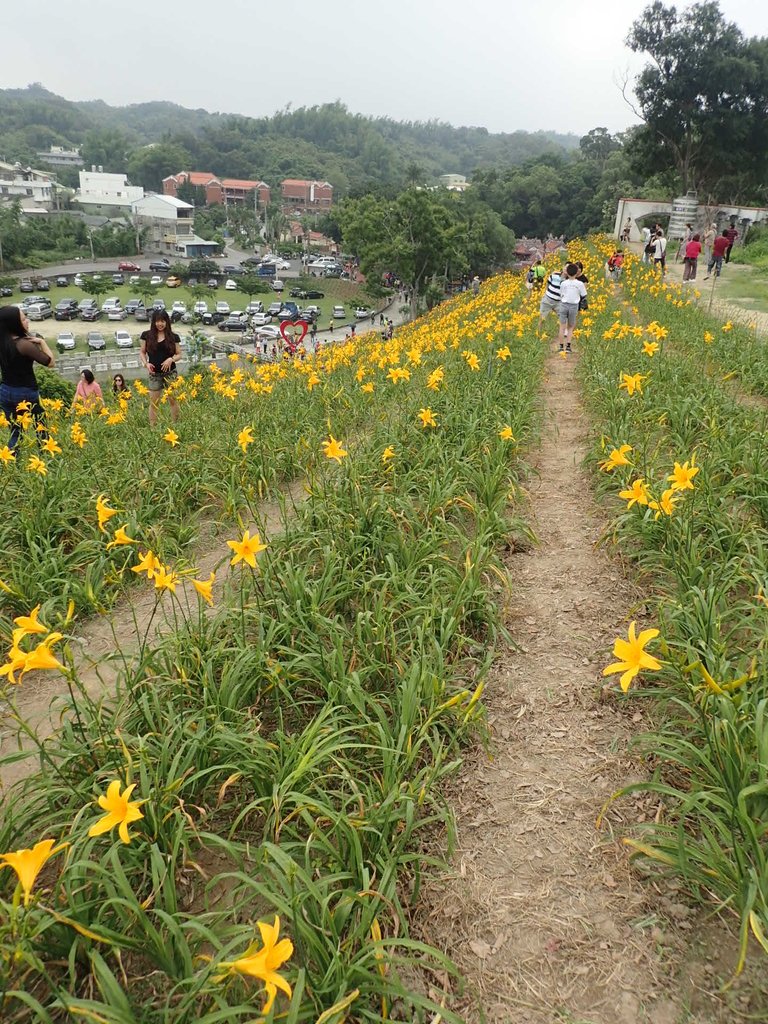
703,97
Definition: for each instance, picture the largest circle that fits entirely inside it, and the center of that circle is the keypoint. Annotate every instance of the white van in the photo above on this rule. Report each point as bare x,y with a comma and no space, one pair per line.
323,263
39,310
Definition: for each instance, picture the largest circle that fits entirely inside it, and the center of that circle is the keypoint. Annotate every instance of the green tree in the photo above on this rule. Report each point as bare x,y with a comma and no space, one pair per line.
201,266
415,237
96,286
597,145
251,284
703,97
148,292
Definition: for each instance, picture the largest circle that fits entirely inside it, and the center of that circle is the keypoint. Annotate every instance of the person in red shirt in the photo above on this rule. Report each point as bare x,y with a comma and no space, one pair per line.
691,258
732,234
719,248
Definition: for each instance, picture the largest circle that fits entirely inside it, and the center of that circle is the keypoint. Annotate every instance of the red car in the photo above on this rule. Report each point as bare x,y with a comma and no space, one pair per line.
132,268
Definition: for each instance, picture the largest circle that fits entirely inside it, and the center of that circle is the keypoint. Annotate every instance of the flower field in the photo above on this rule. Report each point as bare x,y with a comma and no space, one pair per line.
241,827
241,830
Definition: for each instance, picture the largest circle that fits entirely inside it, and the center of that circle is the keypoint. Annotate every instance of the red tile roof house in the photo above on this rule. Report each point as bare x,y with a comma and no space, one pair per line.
219,190
302,194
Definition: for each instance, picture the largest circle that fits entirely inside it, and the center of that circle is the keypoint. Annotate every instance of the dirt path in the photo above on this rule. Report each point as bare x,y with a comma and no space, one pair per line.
137,613
542,913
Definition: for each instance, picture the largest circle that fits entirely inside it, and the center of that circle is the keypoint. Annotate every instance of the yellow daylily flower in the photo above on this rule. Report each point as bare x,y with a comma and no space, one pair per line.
666,504
681,477
6,455
28,863
171,437
245,438
30,623
205,588
121,811
506,433
148,563
388,453
638,492
617,457
633,656
120,538
36,465
333,450
263,964
650,348
104,512
427,418
246,549
166,579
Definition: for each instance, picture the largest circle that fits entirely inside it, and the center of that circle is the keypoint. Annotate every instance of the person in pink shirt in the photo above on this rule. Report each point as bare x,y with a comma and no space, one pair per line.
691,258
88,391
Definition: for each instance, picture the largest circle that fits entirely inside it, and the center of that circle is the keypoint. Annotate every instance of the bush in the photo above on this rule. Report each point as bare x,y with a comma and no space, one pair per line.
53,385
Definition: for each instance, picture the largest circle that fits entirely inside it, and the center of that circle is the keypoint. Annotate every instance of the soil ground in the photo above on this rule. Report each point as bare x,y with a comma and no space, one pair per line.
540,909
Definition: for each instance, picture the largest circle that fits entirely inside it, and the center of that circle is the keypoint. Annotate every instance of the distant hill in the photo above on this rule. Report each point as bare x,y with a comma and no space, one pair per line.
354,152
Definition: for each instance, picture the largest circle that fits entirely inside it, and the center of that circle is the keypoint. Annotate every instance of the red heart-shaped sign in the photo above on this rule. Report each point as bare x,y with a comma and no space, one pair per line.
296,335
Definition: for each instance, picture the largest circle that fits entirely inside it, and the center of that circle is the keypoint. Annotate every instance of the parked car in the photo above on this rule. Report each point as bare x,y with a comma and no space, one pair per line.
6,291
269,332
111,303
278,285
123,339
333,272
213,282
141,313
266,270
323,262
40,310
235,322
134,279
200,307
78,281
339,313
260,319
173,282
179,307
311,311
229,268
156,279
132,304
162,265
116,313
254,307
26,285
362,313
274,308
90,312
65,341
223,307
61,281
44,285
191,282
118,279
158,304
66,309
129,267
230,285
95,341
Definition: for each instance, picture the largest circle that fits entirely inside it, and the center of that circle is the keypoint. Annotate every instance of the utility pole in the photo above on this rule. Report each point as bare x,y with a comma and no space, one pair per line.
2,262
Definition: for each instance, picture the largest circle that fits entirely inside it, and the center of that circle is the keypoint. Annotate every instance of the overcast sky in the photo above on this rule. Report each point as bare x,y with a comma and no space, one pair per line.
504,64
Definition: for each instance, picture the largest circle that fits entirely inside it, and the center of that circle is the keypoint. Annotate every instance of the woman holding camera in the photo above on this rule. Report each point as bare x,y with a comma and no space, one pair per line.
19,351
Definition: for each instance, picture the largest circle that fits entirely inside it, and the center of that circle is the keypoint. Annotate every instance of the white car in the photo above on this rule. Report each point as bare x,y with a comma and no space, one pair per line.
278,285
179,307
200,307
270,332
134,279
116,313
260,319
361,313
222,307
323,263
254,307
156,279
65,341
78,281
123,339
339,313
230,285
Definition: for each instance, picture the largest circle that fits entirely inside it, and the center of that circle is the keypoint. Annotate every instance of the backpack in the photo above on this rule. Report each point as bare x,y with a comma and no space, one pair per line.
650,248
529,276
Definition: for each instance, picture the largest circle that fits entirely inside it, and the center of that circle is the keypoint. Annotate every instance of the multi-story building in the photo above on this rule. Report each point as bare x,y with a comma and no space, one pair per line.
35,189
57,156
108,195
301,194
168,227
220,190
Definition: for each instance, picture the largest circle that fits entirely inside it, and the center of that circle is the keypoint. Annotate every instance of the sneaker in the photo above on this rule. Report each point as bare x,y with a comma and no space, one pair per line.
561,348
568,348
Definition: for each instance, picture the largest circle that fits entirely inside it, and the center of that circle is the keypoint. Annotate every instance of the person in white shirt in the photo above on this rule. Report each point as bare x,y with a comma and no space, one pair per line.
660,252
572,291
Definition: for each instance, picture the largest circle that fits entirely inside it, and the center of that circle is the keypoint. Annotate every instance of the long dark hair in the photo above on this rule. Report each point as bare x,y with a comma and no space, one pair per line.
151,338
88,375
11,327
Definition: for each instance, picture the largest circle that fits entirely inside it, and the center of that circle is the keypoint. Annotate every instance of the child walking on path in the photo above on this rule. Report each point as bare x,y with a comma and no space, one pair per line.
572,291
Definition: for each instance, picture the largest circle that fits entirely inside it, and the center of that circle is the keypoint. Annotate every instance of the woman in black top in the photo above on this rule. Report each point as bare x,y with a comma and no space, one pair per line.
159,348
18,354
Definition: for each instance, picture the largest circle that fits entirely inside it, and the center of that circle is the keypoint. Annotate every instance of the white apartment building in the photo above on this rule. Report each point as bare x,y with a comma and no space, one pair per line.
34,188
108,195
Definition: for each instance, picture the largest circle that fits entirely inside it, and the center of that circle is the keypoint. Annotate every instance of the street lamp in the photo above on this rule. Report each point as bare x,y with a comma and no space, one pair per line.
90,242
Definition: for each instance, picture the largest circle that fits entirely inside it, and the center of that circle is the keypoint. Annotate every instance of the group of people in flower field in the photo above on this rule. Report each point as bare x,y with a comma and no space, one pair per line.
20,349
565,294
715,247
